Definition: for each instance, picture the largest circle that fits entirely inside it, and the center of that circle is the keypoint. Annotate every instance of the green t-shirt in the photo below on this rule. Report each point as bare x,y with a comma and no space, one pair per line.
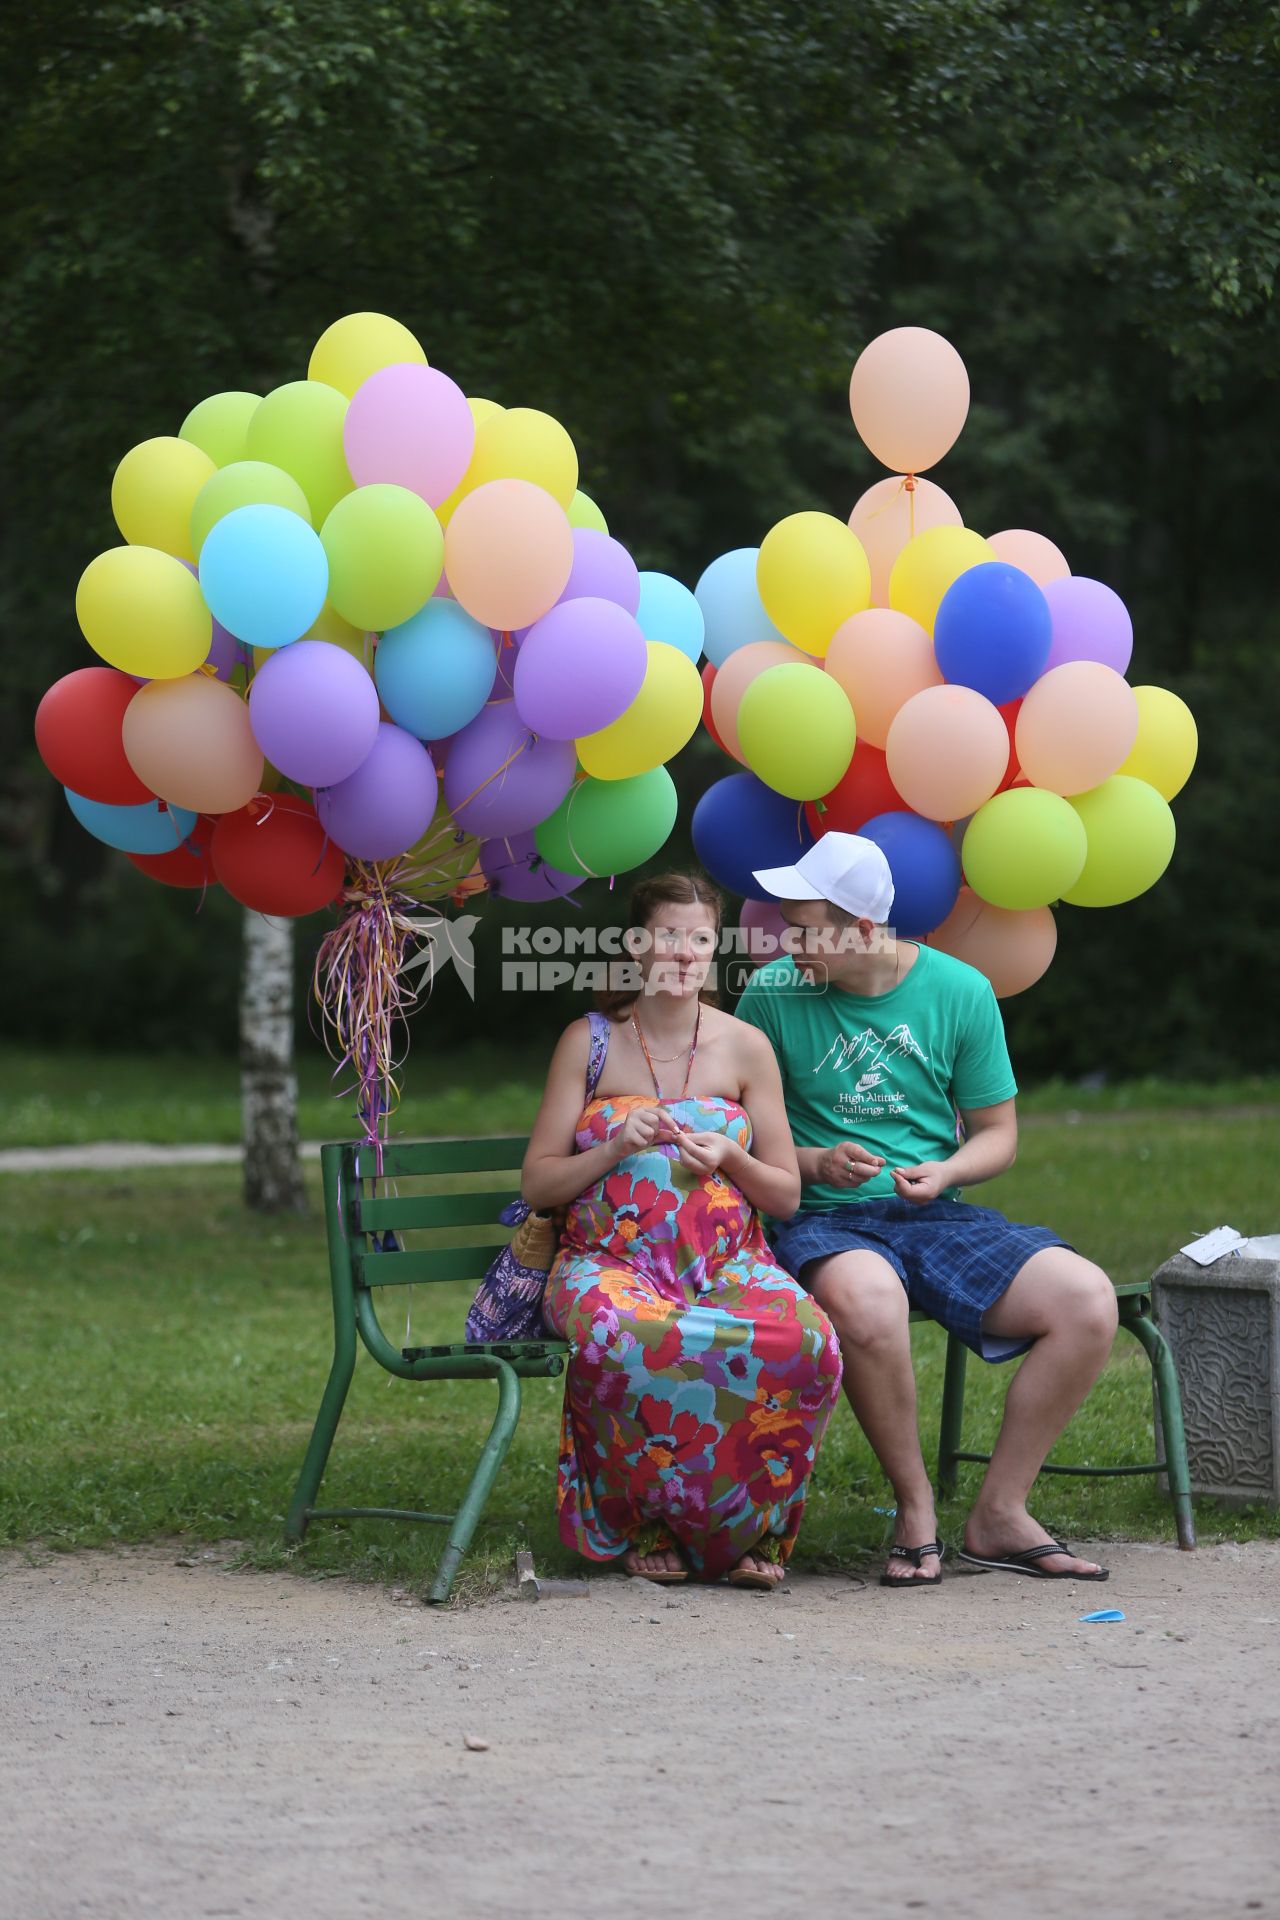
885,1070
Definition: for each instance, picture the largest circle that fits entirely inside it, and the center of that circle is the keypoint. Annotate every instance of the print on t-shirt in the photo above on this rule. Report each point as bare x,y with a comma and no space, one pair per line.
873,1094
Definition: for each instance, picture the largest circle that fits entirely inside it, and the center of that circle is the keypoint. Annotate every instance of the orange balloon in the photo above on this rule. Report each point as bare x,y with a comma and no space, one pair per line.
190,741
880,659
735,675
1031,552
1013,949
508,553
1075,726
909,397
947,751
888,515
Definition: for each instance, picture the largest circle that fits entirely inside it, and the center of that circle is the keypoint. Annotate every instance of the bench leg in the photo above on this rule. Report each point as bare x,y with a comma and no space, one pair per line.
492,1455
952,1423
335,1394
1169,1396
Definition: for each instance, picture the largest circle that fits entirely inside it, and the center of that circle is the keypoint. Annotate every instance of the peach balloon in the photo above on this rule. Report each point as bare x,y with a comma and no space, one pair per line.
881,658
190,741
1075,726
1031,552
909,397
1013,949
508,553
888,515
947,751
742,666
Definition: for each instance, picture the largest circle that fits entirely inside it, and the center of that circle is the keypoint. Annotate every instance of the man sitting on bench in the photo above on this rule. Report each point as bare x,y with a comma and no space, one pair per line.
881,1041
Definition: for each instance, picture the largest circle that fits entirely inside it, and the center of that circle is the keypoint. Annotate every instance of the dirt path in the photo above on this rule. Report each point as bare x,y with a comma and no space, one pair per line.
183,1740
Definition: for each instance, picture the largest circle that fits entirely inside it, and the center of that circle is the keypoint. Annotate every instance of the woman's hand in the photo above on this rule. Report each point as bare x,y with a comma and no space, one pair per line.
644,1127
706,1153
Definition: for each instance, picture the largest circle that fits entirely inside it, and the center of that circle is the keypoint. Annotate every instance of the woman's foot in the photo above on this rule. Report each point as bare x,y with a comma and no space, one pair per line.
754,1570
915,1525
663,1565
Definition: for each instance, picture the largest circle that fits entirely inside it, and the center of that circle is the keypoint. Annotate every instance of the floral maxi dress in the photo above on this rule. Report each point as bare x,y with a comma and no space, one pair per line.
701,1376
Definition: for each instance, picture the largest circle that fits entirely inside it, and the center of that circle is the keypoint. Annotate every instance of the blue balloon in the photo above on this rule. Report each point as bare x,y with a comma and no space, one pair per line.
731,605
151,827
740,825
925,868
993,632
668,611
264,575
435,671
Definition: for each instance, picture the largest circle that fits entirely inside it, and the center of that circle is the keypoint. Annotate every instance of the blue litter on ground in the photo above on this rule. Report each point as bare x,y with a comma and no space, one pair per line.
1104,1613
889,1512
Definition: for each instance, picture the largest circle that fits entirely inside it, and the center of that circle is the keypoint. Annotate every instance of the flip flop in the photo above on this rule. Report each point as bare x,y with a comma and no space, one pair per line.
745,1577
916,1556
1024,1562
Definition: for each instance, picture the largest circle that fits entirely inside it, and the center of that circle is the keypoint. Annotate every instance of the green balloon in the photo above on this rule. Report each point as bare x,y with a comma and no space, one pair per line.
796,731
245,483
1024,849
609,826
219,426
583,512
1130,833
299,427
386,555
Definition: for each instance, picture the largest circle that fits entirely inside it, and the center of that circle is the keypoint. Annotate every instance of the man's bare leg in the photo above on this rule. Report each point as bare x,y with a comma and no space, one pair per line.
866,1303
1068,1306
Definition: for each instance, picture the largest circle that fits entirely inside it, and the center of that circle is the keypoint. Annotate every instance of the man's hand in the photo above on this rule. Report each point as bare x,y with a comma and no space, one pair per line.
847,1165
920,1184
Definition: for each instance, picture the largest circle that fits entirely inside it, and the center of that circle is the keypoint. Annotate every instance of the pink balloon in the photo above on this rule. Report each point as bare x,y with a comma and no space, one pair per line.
732,679
411,426
947,751
1077,724
888,515
909,397
1013,949
764,926
880,659
1090,622
1031,553
508,552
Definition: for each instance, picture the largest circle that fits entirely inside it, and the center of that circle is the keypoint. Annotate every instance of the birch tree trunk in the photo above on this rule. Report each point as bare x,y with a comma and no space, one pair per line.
268,1084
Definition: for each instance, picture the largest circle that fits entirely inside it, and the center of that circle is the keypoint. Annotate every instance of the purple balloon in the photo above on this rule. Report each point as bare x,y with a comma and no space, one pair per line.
225,651
314,712
500,779
507,655
387,803
1090,622
516,870
602,570
579,667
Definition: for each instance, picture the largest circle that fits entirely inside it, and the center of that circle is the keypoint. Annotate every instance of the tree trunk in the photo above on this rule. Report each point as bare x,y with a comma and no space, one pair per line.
268,1085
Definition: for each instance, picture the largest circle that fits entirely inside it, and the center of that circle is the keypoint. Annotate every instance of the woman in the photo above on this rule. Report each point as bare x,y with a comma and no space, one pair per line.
702,1375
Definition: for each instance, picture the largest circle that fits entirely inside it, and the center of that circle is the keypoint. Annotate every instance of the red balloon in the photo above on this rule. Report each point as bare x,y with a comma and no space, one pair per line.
1009,714
275,856
708,681
188,865
864,791
78,736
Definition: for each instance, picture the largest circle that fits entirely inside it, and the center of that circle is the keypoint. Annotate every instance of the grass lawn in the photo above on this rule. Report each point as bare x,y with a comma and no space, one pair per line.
69,1098
165,1353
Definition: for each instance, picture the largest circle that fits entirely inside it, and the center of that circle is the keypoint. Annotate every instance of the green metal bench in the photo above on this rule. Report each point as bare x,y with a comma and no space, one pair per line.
357,1217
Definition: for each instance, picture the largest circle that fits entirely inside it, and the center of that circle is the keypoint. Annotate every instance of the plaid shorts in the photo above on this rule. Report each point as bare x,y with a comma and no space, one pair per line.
954,1259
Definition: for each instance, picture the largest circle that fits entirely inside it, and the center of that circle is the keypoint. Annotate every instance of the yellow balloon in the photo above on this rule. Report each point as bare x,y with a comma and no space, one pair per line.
813,574
154,490
1165,749
583,512
661,719
330,625
360,344
298,427
219,425
1130,832
142,611
523,444
931,563
1023,849
481,410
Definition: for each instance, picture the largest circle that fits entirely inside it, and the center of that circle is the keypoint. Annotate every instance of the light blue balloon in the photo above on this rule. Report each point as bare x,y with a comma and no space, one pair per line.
264,575
731,605
668,611
435,671
149,828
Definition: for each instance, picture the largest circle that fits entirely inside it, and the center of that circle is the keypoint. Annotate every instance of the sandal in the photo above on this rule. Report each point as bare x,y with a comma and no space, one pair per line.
1024,1562
657,1540
767,1549
916,1556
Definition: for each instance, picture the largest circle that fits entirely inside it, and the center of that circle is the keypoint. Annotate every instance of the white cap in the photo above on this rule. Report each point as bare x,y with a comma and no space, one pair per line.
843,868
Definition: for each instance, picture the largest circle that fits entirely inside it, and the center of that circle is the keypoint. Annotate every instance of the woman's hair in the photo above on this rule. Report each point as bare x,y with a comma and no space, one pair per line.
663,890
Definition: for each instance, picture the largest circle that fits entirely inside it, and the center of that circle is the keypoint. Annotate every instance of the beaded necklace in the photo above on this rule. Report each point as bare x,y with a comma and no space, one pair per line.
693,1054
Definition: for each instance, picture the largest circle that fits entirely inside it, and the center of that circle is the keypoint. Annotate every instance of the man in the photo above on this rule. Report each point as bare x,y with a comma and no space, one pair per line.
881,1042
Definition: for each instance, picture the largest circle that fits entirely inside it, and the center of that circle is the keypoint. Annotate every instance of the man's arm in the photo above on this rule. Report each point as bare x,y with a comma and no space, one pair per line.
990,1147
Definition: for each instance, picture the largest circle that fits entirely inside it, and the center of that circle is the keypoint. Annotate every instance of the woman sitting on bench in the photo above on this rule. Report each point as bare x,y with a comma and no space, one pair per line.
702,1375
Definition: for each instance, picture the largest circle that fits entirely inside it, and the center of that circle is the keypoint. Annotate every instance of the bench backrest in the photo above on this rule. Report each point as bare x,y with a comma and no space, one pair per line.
360,1206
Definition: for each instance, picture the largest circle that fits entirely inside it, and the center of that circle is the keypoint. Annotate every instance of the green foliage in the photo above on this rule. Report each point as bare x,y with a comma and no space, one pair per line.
674,224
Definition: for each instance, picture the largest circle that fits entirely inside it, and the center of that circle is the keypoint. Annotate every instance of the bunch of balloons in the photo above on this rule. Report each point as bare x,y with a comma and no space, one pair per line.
960,700
367,619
